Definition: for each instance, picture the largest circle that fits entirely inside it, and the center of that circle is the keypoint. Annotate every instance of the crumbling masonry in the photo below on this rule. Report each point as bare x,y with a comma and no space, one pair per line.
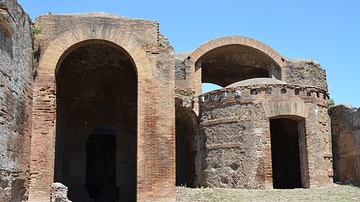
98,106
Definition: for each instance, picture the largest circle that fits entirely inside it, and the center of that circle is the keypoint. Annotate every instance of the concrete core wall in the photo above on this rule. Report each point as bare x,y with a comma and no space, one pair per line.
15,101
304,72
242,136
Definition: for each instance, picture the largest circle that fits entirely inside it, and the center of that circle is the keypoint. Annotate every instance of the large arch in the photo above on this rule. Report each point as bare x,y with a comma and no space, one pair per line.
96,85
44,98
244,50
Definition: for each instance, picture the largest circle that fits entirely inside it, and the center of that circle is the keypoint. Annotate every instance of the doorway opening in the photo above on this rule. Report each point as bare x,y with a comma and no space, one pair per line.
101,164
285,153
185,148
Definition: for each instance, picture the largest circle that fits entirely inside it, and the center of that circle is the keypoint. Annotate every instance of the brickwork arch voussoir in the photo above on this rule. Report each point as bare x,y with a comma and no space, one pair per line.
231,40
285,109
57,49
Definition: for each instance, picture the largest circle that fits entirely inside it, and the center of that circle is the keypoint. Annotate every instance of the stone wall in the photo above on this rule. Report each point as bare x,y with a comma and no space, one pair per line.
15,100
236,125
346,144
234,146
305,73
182,73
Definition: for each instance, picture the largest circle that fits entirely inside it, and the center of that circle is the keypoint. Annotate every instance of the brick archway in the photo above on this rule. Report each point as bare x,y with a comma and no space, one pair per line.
240,40
249,43
44,97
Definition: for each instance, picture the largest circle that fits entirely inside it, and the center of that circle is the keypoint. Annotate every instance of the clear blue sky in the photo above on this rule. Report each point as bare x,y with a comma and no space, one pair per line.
327,31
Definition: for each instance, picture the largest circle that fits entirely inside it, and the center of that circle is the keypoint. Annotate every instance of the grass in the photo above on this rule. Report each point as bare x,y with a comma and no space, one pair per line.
329,193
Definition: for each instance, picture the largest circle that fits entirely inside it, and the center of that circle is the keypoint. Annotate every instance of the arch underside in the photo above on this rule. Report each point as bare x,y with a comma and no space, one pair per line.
232,63
231,59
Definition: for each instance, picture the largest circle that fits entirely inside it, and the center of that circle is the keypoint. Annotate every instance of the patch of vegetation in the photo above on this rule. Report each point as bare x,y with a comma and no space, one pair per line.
34,30
331,103
185,92
162,43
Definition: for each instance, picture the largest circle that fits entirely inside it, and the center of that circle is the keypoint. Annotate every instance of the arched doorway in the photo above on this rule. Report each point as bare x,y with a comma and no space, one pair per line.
287,168
96,87
187,148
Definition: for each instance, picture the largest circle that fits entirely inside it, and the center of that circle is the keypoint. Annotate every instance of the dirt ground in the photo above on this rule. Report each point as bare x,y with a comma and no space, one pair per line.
330,193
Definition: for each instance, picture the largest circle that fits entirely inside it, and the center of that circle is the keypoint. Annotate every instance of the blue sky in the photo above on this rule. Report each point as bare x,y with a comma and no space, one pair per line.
327,31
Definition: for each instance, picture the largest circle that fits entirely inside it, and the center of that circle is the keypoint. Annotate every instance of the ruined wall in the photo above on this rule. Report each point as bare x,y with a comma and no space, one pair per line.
236,123
147,100
182,73
15,101
318,130
234,146
345,122
305,73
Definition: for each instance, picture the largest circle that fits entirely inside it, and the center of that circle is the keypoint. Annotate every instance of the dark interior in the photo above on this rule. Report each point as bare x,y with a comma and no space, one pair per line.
285,154
101,165
232,63
96,88
185,165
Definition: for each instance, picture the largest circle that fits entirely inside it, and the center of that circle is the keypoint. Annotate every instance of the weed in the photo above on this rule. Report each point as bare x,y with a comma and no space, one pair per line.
34,30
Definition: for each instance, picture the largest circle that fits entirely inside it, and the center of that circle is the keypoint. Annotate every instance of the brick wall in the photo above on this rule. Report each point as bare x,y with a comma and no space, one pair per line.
152,57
